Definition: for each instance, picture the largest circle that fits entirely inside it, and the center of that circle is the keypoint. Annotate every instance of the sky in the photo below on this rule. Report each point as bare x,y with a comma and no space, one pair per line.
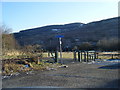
26,15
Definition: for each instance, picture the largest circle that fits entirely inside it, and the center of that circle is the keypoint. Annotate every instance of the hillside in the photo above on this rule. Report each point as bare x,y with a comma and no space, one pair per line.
74,33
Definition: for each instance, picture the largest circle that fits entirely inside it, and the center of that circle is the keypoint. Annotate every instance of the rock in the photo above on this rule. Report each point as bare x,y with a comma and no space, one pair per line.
7,76
63,66
72,62
30,72
48,68
16,73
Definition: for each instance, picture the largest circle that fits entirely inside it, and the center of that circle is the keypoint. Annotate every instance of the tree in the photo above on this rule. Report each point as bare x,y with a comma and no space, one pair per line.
7,41
5,30
110,44
85,46
32,48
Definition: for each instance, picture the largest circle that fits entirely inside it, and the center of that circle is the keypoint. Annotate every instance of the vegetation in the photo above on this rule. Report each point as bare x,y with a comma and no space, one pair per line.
110,44
8,41
12,50
85,46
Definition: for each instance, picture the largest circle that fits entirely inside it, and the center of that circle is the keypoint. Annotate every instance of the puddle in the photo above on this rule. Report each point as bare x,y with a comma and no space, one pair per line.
107,62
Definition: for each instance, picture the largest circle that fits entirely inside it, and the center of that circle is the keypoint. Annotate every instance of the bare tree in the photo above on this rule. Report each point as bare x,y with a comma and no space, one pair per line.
5,30
7,41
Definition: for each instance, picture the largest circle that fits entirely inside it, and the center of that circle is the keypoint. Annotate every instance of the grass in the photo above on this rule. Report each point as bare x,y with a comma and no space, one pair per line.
20,55
108,57
64,55
70,55
42,65
13,68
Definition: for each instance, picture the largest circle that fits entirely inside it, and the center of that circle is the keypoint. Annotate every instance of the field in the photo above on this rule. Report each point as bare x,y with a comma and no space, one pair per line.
70,55
64,55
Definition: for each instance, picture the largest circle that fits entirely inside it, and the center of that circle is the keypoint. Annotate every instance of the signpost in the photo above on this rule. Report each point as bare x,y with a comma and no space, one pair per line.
60,42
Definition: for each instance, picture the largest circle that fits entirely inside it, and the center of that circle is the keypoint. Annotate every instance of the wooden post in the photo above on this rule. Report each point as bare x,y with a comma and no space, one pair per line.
81,55
96,55
38,61
56,56
75,56
87,56
52,53
48,54
84,56
112,56
90,57
79,59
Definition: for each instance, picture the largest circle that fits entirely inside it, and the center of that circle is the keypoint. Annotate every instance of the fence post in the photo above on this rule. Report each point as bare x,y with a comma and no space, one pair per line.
84,56
90,57
38,60
75,56
48,54
81,55
56,56
79,59
96,55
87,56
112,56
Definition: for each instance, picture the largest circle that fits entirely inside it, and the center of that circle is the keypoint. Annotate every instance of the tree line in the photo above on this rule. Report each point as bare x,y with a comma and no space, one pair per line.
105,44
8,42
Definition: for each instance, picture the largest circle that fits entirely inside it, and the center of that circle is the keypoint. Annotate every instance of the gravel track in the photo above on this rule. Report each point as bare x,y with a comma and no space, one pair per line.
76,75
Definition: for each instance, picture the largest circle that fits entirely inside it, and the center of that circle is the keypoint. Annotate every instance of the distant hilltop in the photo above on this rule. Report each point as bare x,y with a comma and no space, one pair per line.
74,33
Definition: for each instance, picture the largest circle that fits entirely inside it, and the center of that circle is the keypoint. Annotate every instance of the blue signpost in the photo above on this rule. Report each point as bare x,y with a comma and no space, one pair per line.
60,42
59,36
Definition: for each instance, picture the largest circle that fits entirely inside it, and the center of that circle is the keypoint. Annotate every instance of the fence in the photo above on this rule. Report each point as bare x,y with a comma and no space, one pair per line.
83,56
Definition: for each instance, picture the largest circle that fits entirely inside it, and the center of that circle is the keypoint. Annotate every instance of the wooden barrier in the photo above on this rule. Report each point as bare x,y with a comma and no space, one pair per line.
81,56
85,56
56,56
75,58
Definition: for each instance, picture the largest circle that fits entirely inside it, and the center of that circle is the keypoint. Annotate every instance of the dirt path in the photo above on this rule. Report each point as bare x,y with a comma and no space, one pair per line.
76,75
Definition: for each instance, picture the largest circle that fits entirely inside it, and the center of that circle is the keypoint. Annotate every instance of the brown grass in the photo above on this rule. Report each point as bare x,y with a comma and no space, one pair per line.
11,68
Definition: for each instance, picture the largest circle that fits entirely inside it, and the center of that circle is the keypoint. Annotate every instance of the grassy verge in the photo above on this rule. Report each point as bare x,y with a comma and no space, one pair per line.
13,68
9,68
